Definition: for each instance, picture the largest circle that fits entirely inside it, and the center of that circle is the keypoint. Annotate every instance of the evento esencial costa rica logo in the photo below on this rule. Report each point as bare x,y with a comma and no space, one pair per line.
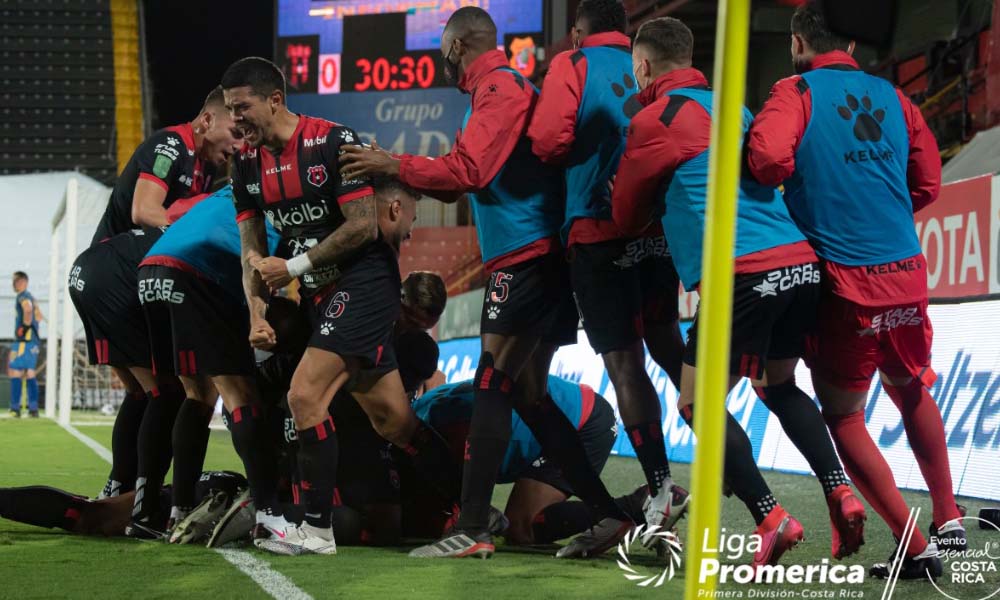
972,573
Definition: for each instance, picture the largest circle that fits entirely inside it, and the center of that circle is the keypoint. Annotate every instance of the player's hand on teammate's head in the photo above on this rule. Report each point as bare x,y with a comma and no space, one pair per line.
357,162
262,336
274,272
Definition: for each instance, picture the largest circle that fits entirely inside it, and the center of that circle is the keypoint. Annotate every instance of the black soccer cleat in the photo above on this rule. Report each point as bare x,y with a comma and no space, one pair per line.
140,530
925,565
33,414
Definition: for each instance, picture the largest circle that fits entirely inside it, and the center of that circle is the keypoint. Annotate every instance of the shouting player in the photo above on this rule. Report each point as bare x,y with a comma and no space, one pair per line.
814,134
626,288
289,171
664,172
527,309
172,164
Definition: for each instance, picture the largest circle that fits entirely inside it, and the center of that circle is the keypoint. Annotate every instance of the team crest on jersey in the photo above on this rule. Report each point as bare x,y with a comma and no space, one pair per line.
317,175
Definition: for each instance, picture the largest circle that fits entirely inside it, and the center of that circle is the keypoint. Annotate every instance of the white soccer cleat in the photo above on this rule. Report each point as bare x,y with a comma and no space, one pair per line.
269,527
664,510
303,539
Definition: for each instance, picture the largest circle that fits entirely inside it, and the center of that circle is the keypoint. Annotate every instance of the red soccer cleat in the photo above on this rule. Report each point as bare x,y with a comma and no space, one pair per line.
847,522
779,532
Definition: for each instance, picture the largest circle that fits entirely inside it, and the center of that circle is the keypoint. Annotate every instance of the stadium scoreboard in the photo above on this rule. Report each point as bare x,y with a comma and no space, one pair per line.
333,46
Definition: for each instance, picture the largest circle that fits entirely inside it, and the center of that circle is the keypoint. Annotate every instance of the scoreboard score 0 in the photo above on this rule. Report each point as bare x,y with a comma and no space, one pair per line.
333,46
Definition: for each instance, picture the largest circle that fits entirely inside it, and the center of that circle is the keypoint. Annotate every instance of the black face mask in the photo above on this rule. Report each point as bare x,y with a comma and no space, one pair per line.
451,71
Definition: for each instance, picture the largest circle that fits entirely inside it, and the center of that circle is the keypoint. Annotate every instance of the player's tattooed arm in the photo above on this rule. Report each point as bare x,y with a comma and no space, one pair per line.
359,230
253,249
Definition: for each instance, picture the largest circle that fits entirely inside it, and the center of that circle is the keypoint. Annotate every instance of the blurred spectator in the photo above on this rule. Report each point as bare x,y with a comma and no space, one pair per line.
24,353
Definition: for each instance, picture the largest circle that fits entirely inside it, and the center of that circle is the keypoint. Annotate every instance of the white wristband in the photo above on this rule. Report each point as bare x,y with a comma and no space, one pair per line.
299,265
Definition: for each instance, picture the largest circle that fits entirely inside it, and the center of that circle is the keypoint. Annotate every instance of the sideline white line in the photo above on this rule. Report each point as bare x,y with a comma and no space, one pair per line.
269,580
260,572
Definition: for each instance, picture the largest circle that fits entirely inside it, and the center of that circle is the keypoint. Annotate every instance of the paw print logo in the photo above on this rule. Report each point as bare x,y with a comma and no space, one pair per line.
867,123
325,328
493,88
493,312
632,106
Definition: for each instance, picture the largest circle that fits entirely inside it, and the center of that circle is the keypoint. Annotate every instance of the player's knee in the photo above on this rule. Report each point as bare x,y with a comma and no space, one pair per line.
306,410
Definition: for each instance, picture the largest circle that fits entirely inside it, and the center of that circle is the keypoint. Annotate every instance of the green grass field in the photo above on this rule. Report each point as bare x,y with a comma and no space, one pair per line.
44,563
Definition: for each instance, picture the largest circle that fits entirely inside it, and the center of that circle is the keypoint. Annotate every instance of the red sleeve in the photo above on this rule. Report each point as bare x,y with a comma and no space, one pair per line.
777,131
501,108
553,126
652,154
180,207
156,180
923,167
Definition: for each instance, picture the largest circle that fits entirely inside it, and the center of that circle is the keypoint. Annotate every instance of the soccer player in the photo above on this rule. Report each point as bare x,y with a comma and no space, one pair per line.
527,309
537,511
103,286
857,160
50,507
24,354
289,170
625,287
174,163
190,288
664,173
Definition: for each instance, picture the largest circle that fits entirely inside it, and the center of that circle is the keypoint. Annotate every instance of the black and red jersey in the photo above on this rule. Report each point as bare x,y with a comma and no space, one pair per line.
299,189
167,158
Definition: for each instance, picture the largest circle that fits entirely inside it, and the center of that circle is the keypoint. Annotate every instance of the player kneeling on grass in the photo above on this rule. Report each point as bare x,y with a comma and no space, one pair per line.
664,171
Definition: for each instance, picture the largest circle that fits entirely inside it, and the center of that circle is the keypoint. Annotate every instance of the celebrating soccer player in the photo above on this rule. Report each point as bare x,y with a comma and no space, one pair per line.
857,160
527,310
350,285
664,171
626,288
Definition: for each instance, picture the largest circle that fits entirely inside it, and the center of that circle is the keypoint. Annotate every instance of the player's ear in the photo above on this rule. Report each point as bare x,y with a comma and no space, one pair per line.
276,100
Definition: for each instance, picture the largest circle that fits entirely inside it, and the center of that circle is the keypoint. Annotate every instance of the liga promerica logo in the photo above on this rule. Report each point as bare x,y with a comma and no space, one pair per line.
666,539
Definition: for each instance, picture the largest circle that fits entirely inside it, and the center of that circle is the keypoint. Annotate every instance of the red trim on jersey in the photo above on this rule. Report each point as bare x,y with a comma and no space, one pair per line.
156,180
269,183
524,253
378,355
786,255
249,213
186,131
160,260
587,398
355,194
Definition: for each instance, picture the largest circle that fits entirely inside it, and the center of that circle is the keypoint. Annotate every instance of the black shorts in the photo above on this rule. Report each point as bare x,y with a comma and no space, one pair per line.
195,327
598,435
773,314
103,289
370,475
621,285
354,317
531,298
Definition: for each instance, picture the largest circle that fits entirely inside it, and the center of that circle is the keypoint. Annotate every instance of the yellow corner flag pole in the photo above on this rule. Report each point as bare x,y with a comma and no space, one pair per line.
715,314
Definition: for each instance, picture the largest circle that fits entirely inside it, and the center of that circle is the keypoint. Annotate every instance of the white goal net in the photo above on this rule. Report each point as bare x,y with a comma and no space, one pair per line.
72,384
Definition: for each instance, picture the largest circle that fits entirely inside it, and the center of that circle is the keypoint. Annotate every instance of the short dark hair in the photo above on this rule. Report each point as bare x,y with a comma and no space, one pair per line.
417,356
603,15
809,23
260,74
668,39
20,275
426,290
214,98
386,185
471,19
